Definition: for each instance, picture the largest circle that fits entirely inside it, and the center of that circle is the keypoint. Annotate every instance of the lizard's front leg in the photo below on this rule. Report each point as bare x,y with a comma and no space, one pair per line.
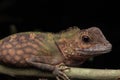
56,70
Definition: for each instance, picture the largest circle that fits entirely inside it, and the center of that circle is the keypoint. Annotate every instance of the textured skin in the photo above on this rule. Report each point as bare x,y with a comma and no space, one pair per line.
46,50
17,48
82,44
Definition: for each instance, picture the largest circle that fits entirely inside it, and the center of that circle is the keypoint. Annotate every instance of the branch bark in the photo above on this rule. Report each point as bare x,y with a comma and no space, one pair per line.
80,73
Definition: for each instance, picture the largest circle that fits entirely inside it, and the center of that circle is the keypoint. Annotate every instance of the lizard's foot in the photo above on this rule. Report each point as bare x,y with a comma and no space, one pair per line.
59,72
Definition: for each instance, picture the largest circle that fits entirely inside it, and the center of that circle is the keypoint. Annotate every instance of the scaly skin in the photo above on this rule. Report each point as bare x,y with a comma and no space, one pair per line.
17,48
48,51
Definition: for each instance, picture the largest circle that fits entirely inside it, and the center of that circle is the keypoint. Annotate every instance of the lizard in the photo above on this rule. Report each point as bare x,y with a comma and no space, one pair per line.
47,51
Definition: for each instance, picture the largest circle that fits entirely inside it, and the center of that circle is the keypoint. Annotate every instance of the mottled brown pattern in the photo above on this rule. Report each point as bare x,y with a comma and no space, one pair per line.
35,52
35,46
26,56
8,57
18,45
8,46
19,52
22,38
16,48
17,58
24,44
4,52
14,43
29,44
11,52
28,50
3,46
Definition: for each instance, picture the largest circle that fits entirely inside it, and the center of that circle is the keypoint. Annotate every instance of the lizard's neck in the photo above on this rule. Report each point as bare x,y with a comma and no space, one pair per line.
67,44
66,41
67,48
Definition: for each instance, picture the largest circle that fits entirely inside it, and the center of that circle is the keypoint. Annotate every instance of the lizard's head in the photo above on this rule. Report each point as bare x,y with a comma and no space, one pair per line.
85,43
91,41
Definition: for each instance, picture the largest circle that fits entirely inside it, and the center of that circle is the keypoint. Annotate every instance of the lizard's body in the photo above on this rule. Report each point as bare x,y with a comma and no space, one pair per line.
47,50
16,48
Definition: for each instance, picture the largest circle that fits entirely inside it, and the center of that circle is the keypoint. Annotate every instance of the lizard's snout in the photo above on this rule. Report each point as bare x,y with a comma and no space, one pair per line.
100,48
96,49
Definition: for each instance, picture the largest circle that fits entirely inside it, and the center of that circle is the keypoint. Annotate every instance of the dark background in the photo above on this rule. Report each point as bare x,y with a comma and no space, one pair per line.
54,16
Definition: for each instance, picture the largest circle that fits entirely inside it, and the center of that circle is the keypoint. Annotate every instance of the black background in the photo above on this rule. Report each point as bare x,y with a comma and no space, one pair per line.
54,16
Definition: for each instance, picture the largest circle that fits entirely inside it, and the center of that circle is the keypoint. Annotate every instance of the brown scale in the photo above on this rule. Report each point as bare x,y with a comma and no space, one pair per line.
17,48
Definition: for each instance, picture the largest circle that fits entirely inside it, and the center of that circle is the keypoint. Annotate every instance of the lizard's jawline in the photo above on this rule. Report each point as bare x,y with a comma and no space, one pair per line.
96,50
93,52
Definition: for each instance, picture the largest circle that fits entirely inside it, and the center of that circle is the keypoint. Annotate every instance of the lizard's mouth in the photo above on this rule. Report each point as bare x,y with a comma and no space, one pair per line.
96,50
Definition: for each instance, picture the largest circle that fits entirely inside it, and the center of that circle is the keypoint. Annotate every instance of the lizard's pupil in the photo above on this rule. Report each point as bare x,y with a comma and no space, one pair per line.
85,38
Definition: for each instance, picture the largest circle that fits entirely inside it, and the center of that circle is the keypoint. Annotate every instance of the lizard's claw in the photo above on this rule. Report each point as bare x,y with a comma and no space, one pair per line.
58,72
60,75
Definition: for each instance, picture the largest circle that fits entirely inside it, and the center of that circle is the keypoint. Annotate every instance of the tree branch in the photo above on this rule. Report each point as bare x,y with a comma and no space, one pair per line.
81,73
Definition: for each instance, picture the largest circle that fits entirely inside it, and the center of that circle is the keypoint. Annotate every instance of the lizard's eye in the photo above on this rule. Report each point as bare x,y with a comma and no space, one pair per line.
85,38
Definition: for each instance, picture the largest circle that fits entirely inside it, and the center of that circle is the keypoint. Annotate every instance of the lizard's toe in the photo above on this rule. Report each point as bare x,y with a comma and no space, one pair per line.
60,75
